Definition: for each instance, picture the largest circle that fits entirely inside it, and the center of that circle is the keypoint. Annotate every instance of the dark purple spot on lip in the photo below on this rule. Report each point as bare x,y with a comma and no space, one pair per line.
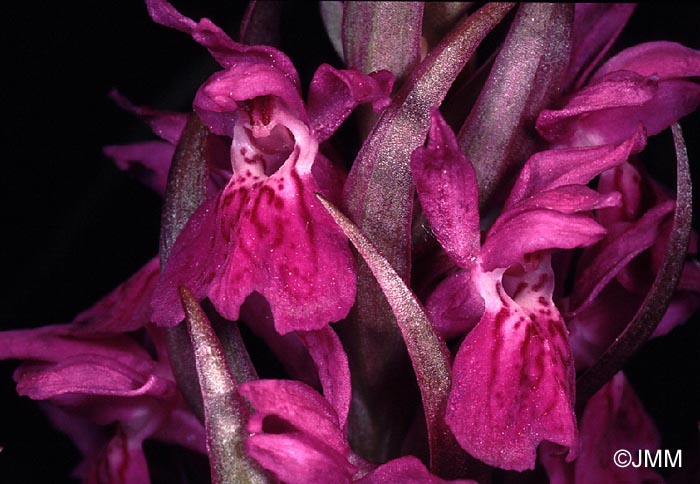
543,301
521,287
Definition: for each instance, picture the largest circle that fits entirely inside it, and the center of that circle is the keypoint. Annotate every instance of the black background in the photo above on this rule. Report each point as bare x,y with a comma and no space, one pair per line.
73,226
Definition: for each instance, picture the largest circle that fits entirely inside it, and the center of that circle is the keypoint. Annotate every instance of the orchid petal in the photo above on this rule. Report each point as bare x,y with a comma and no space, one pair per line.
127,308
663,60
611,108
596,26
525,79
513,375
613,419
332,363
217,101
448,193
299,459
333,94
297,404
406,470
608,260
256,231
165,124
550,169
657,300
382,35
455,306
122,461
89,375
226,52
148,161
508,243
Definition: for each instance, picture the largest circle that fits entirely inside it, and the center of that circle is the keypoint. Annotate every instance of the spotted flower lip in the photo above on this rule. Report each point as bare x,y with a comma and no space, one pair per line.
265,231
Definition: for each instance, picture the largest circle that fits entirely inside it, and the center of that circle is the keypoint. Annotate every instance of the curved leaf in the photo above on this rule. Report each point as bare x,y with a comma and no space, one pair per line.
657,300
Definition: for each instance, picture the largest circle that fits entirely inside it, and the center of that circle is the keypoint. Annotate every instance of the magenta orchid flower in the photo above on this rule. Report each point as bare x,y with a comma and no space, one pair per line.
94,377
514,371
265,232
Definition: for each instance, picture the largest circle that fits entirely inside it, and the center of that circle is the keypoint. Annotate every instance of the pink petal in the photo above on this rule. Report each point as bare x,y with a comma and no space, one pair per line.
535,230
333,94
299,459
90,375
664,60
513,385
334,372
227,52
126,308
626,180
447,190
405,470
219,99
611,108
601,265
122,461
299,405
148,161
613,419
554,168
455,306
166,125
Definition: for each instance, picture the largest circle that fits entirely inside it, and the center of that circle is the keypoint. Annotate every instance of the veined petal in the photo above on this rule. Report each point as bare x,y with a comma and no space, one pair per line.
601,266
455,306
298,405
664,60
148,161
127,308
333,94
613,95
611,108
333,370
448,193
614,419
406,470
513,384
299,459
89,375
550,169
226,52
534,230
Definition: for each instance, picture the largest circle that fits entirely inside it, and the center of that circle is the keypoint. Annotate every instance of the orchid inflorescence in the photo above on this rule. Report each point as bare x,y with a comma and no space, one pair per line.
458,304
